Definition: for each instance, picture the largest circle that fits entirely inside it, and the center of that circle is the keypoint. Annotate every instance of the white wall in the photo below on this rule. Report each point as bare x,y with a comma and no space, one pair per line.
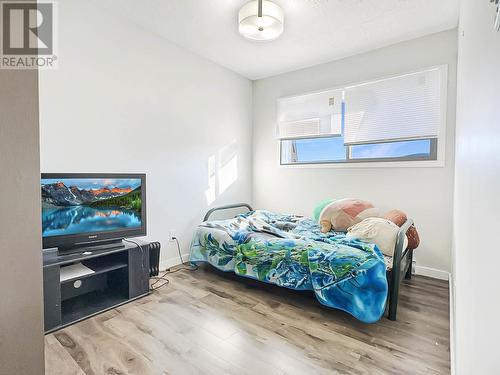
21,305
426,194
477,187
125,100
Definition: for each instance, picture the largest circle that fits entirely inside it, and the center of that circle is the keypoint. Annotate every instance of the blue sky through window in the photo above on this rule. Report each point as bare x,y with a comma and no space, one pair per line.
418,148
333,149
320,149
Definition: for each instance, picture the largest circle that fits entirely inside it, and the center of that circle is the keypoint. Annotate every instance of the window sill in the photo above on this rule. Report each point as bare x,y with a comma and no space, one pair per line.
381,164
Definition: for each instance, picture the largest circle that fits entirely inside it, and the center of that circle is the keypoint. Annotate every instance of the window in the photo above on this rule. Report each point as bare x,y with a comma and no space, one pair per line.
333,150
411,150
395,119
319,150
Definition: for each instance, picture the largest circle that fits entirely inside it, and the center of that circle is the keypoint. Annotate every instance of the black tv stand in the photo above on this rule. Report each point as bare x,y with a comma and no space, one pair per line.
90,246
119,274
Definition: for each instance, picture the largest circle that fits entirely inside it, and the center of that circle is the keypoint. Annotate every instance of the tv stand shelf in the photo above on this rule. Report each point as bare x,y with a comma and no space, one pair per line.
98,268
120,275
90,304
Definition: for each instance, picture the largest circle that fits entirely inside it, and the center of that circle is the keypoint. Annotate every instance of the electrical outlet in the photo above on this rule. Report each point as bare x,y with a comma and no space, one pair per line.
172,235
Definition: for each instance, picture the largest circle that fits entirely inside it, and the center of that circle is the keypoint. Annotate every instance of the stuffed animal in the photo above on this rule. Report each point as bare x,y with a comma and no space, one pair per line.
344,213
399,218
381,232
320,206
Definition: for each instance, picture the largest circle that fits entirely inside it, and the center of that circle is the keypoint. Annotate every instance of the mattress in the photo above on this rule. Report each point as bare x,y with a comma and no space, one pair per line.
291,252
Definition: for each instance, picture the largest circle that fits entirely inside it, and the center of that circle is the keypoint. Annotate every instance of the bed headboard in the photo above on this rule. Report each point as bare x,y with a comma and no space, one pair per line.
227,207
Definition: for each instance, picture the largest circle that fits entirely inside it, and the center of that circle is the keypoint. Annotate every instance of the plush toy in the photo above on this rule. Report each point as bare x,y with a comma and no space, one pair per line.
320,206
399,218
344,213
381,232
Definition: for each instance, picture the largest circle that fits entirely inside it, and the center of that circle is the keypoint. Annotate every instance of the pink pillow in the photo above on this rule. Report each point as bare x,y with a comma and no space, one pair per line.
344,213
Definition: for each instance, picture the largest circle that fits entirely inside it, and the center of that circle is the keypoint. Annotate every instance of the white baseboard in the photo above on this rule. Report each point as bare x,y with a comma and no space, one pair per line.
432,272
174,261
452,327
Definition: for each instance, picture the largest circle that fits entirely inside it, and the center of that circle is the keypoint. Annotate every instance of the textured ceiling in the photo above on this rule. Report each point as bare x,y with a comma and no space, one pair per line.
316,31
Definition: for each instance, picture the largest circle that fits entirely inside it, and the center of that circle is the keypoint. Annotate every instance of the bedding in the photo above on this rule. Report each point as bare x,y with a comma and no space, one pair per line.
292,252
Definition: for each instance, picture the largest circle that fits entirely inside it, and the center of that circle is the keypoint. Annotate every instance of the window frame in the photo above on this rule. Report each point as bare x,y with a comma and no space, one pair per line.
438,145
349,160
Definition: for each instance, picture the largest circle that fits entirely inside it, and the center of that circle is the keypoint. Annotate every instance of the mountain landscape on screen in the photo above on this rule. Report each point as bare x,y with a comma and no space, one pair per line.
80,205
58,194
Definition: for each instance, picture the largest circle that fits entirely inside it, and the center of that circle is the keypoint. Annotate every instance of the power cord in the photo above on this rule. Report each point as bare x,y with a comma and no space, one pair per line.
157,279
192,267
143,267
178,249
162,277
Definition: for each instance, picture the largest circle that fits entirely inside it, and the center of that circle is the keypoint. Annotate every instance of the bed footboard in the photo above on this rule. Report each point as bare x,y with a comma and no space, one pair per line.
401,268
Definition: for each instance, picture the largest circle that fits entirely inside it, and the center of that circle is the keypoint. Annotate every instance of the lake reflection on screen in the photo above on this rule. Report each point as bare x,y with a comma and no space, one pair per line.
83,219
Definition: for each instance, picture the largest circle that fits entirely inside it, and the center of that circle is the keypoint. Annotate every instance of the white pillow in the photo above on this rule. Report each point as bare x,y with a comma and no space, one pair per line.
381,232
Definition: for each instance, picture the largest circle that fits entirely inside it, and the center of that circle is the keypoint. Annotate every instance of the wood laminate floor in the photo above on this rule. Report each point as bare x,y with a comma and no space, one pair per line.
206,322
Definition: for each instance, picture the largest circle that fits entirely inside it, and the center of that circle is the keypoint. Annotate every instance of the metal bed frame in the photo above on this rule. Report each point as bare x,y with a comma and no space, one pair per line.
401,263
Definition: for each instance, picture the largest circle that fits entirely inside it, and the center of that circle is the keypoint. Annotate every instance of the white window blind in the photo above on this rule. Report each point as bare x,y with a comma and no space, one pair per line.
407,107
310,116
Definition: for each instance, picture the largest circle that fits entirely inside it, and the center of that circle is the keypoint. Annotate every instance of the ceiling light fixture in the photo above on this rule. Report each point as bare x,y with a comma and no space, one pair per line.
261,20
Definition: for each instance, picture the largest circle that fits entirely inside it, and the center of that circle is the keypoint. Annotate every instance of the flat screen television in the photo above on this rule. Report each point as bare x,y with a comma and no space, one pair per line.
82,209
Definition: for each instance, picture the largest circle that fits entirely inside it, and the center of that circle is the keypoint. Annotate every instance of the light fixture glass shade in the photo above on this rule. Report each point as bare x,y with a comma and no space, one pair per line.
267,27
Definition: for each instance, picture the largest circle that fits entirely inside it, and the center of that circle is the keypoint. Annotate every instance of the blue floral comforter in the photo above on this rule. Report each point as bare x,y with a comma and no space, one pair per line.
291,252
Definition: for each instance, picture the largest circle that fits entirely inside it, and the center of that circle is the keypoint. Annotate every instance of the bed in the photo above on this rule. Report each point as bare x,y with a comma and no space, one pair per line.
290,251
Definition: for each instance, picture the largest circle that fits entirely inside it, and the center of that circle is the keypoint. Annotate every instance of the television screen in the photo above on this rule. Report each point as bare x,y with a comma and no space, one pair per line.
88,205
